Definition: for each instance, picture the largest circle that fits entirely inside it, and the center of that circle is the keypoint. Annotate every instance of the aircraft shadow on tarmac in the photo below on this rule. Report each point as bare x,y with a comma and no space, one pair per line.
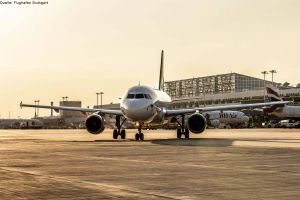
204,142
210,142
199,142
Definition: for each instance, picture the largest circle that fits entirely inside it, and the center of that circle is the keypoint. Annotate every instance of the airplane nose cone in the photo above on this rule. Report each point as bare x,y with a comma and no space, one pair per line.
138,110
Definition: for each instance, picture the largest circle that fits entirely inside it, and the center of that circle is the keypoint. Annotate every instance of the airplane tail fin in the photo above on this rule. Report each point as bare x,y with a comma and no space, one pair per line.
161,72
273,94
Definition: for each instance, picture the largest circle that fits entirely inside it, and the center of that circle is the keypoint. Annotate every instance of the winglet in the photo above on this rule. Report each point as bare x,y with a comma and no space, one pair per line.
21,104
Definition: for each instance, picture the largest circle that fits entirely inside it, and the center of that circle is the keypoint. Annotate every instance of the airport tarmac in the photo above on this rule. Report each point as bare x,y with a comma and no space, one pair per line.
219,164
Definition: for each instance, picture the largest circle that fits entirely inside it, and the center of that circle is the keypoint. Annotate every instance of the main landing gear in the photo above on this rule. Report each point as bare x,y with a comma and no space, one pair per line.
139,135
118,130
182,130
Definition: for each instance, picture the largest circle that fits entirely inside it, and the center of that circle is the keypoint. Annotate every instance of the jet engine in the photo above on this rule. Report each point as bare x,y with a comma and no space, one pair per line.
196,123
94,124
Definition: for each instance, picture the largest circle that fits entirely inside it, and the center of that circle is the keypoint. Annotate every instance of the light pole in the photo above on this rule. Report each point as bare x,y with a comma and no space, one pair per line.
51,109
97,93
264,73
38,103
101,93
36,112
273,72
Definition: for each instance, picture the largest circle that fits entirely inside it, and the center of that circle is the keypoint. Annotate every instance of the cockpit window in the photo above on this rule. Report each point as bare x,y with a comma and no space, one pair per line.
147,96
130,96
139,96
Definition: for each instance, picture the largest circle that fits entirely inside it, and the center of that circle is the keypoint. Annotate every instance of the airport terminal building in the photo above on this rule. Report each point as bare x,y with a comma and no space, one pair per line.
222,89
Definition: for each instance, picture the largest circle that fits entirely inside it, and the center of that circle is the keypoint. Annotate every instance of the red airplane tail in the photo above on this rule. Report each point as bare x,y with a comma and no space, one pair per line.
273,95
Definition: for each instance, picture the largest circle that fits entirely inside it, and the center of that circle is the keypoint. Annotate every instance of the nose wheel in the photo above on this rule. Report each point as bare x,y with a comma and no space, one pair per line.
139,136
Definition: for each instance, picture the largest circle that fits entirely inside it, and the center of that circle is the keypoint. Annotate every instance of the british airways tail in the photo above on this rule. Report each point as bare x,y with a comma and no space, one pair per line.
272,93
161,72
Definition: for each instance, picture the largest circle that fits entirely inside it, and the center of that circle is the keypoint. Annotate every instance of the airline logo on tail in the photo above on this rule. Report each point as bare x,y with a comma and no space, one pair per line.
273,95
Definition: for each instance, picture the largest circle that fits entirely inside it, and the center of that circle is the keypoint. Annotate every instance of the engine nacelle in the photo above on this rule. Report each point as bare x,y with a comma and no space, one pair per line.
94,124
196,123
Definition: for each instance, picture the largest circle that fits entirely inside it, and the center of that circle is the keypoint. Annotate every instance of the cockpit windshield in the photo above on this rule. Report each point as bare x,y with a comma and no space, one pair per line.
130,96
139,96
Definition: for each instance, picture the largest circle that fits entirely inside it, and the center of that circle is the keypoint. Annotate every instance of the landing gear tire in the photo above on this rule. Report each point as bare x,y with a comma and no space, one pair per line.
137,136
115,134
141,136
123,134
179,133
187,133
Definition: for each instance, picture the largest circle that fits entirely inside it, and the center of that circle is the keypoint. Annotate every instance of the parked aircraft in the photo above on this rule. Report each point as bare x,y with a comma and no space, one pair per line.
226,118
31,124
282,110
145,105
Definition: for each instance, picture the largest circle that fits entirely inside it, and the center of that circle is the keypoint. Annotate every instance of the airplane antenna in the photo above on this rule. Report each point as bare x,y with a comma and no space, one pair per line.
161,73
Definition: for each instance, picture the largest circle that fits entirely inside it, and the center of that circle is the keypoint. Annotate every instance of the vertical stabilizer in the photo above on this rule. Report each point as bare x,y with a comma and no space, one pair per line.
161,72
272,93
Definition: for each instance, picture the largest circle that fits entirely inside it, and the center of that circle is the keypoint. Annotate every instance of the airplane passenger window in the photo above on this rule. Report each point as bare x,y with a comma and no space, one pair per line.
130,96
139,96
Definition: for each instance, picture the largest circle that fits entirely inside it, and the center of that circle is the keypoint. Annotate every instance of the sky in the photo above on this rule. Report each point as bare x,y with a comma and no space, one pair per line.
76,48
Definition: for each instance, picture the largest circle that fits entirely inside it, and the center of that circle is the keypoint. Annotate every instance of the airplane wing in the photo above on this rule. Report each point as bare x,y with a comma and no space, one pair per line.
57,108
226,107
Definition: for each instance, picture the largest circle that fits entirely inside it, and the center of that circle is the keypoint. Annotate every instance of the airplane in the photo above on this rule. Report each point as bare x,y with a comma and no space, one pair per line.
227,117
145,105
283,110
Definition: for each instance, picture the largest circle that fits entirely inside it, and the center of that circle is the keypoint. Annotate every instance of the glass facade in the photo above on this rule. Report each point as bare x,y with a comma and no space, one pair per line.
224,83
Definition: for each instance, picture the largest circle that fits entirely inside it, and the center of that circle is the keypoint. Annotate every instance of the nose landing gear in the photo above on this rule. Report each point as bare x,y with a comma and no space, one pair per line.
139,135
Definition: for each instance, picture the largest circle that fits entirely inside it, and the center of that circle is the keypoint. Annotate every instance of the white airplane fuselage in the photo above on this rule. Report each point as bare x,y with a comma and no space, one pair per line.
228,116
291,112
144,104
